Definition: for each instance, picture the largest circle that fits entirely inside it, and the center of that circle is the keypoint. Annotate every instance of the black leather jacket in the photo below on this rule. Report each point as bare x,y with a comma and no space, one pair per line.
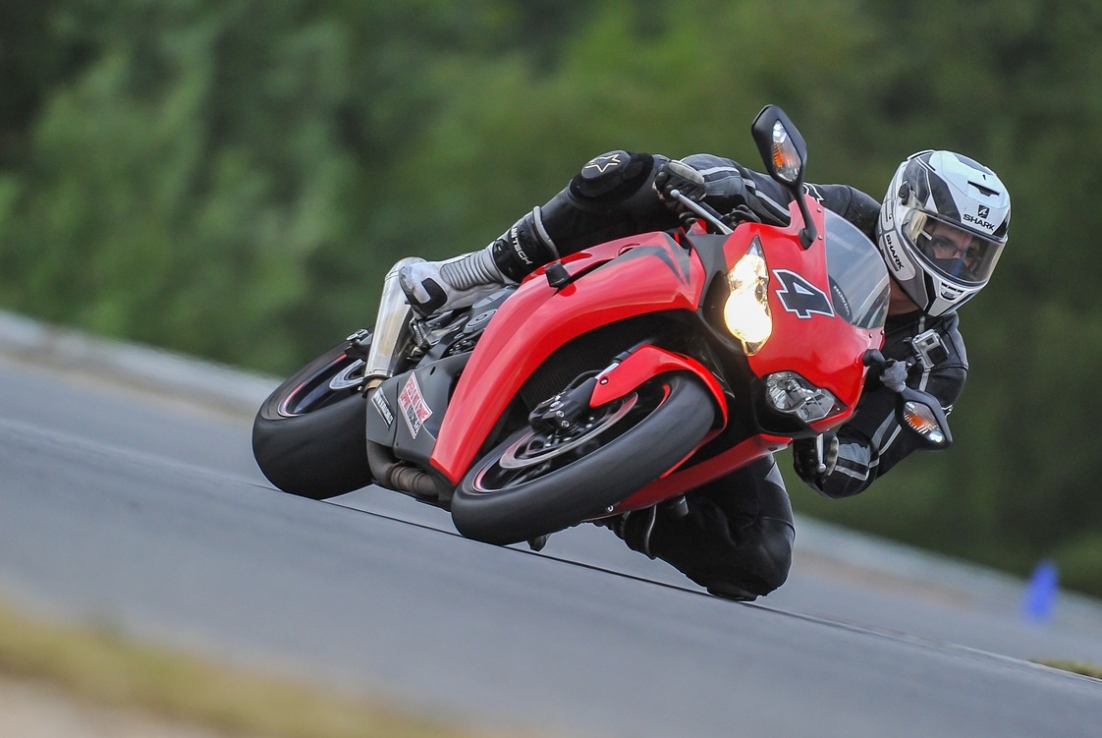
872,442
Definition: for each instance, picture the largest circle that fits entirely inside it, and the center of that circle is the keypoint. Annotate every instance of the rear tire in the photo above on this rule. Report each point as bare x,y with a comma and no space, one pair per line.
310,435
533,484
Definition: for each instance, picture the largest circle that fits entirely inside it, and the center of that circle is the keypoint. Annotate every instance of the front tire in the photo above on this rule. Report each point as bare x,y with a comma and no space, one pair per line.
536,483
310,435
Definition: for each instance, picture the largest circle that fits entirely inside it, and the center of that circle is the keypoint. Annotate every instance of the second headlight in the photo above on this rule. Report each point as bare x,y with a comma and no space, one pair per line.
791,394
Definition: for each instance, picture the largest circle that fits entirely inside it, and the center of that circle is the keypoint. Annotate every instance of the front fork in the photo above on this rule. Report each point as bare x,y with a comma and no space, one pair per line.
627,372
646,362
632,369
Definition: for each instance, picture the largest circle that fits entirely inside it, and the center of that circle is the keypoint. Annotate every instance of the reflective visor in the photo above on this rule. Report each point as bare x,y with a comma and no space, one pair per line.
957,254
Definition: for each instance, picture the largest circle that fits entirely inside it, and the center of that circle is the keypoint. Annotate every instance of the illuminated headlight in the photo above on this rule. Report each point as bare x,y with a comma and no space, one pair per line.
746,311
790,393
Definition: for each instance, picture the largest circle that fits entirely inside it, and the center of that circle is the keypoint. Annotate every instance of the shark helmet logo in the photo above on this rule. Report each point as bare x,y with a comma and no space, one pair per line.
980,218
902,268
890,242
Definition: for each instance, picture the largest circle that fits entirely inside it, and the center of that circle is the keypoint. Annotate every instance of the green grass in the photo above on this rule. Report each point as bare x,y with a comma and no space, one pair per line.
1077,667
101,666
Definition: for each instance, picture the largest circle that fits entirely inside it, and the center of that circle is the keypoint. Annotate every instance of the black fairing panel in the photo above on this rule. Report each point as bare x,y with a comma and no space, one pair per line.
407,410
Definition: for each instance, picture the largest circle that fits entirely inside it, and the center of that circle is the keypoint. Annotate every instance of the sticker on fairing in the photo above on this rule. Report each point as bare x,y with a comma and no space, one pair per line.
412,403
802,297
383,408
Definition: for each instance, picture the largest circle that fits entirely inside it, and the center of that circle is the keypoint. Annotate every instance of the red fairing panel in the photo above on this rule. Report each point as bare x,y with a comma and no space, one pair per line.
681,481
631,276
648,362
820,346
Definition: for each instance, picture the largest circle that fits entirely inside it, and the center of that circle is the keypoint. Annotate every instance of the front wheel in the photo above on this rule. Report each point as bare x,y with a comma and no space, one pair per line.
310,436
535,482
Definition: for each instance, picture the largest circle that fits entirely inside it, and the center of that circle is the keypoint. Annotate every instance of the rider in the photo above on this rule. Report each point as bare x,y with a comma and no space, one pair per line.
940,229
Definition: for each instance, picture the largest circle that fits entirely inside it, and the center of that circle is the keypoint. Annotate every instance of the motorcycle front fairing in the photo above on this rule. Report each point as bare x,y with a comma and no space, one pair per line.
813,334
608,283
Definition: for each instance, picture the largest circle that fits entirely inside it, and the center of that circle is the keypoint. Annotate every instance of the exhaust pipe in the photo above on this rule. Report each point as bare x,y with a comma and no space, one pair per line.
391,328
393,474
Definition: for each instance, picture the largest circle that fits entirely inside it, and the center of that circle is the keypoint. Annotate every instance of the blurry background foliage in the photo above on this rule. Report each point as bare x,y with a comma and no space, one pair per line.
232,178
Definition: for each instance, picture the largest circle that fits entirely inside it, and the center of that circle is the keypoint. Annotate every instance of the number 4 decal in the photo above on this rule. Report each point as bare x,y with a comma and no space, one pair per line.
801,297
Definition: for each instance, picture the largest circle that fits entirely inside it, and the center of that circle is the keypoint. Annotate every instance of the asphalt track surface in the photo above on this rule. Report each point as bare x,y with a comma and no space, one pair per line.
148,514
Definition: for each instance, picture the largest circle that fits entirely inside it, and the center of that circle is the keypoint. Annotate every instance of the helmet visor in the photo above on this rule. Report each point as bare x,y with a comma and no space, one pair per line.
957,254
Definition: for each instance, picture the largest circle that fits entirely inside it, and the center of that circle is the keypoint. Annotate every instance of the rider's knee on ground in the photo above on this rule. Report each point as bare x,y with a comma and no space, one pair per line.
728,556
757,566
737,539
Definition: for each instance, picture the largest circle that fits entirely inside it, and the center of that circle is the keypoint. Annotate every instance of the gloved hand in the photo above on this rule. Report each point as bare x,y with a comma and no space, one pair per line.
894,375
814,459
677,175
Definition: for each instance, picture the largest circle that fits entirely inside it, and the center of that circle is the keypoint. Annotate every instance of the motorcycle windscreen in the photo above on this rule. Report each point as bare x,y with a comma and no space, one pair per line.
859,285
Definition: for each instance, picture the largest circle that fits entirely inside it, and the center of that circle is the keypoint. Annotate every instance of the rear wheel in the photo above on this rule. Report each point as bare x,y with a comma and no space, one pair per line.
537,482
310,435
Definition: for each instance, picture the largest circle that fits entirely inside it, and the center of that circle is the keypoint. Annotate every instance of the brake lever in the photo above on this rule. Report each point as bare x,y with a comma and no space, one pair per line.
705,212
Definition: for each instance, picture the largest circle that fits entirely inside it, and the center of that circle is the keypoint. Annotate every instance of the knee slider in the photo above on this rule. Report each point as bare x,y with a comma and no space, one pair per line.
612,177
759,565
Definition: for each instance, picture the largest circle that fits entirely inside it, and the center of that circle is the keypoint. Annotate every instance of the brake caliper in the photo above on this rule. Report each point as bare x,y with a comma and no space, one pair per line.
560,413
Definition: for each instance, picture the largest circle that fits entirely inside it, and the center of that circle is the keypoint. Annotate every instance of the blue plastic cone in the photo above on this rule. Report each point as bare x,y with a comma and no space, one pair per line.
1040,595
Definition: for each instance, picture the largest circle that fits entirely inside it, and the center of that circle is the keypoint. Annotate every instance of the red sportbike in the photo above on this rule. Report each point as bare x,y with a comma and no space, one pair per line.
616,378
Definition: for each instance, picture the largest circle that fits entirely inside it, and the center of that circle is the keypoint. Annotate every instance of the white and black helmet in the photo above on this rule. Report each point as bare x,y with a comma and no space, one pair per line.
942,228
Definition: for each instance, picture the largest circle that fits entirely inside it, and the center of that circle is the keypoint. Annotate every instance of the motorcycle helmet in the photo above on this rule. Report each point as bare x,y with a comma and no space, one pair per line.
942,228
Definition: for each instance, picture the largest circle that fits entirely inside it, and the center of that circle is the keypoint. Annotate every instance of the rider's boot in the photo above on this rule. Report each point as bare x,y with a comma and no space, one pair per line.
433,287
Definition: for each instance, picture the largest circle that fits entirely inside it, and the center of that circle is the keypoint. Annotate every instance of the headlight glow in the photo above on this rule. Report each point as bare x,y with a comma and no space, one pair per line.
746,311
791,394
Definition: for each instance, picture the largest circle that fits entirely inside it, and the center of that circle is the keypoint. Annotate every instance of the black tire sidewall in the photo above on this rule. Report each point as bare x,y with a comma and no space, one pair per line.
317,454
588,486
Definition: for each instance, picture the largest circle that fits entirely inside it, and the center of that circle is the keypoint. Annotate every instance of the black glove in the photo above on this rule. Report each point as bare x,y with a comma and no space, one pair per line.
677,175
814,459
